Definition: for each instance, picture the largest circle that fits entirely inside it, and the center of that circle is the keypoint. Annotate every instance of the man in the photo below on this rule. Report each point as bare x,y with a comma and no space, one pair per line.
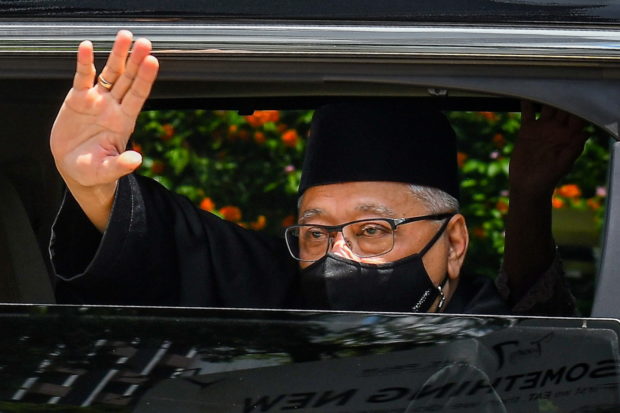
123,239
380,228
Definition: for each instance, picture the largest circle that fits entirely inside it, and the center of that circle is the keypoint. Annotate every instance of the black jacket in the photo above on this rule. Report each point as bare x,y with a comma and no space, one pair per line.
158,249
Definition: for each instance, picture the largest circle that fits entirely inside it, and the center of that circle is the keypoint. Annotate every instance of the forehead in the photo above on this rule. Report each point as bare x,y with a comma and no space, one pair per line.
356,200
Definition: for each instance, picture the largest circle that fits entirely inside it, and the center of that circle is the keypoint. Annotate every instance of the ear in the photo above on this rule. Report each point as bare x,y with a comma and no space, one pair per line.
458,240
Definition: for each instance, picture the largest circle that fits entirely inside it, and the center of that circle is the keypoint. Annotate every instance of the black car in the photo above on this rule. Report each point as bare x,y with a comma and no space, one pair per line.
485,56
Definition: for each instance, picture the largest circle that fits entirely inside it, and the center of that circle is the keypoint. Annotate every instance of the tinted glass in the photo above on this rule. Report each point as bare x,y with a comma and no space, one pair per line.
184,360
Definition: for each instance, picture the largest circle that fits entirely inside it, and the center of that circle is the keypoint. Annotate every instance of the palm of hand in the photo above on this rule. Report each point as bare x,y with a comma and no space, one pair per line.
90,132
94,124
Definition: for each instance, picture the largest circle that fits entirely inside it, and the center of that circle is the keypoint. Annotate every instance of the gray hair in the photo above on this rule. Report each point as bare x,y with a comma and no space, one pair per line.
436,200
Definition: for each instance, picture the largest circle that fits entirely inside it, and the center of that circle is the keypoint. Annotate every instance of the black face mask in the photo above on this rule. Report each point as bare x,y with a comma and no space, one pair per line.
337,283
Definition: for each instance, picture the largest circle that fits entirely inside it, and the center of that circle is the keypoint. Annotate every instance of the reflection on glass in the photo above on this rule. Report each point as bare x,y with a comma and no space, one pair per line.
185,360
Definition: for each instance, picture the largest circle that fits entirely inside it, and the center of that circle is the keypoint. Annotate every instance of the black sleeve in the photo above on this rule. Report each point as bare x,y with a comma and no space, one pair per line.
158,249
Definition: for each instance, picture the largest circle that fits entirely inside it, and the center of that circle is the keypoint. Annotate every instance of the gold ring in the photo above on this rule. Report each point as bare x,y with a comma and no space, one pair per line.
104,83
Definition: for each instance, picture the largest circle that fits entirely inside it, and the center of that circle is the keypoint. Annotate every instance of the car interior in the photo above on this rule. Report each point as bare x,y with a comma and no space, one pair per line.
32,189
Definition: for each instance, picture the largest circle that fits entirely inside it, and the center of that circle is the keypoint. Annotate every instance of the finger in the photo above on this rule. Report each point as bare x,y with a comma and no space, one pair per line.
528,113
85,67
141,49
140,87
115,64
115,167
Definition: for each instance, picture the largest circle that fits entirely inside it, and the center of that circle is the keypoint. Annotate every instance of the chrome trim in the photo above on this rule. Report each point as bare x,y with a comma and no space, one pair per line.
311,40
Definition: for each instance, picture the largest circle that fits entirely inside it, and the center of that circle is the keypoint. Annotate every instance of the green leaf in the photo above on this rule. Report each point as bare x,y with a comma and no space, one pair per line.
494,169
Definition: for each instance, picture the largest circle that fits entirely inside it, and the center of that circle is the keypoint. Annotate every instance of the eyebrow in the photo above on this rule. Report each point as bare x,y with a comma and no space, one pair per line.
379,210
310,213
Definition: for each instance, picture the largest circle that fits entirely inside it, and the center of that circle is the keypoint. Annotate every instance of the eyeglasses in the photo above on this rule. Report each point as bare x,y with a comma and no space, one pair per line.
365,237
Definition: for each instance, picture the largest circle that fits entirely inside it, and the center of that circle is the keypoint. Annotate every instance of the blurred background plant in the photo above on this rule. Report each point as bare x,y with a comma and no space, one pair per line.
246,169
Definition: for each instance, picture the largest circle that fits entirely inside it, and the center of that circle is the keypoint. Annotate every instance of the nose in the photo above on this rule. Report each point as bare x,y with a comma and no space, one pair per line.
341,247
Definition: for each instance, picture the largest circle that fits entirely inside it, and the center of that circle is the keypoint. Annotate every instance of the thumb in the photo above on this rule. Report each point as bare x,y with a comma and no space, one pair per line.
115,167
130,160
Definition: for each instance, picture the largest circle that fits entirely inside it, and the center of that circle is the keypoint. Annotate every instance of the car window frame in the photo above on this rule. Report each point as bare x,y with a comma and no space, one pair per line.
429,62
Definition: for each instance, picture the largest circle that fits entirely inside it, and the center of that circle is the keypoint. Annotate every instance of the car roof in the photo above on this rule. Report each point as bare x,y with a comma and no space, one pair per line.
456,11
557,65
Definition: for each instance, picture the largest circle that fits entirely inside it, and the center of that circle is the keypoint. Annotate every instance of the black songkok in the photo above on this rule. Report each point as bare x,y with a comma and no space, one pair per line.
380,141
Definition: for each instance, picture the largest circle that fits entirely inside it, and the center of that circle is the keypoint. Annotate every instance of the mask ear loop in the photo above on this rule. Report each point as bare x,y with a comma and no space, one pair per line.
442,299
435,237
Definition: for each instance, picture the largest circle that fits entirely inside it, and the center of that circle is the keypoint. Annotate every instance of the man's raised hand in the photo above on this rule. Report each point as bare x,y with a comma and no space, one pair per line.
546,150
93,126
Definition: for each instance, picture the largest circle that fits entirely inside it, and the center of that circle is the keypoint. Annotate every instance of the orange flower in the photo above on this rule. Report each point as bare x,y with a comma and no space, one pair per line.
259,137
593,203
167,132
490,116
207,204
557,203
290,138
232,133
254,120
260,117
479,232
461,157
259,224
569,191
158,167
136,147
288,221
231,213
273,115
499,140
502,206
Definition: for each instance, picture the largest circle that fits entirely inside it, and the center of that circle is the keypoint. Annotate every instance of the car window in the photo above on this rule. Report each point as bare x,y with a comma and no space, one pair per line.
97,359
245,167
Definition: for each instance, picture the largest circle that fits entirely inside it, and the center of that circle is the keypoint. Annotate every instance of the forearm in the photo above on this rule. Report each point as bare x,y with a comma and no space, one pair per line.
529,245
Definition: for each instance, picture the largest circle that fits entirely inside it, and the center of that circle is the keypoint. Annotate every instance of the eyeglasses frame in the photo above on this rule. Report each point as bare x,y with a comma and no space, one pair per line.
394,224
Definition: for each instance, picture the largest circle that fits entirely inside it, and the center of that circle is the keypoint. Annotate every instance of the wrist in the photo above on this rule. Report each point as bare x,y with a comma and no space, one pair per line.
96,201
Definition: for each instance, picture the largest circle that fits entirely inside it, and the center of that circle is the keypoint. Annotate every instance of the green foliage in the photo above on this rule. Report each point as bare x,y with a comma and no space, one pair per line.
247,169
485,142
243,168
